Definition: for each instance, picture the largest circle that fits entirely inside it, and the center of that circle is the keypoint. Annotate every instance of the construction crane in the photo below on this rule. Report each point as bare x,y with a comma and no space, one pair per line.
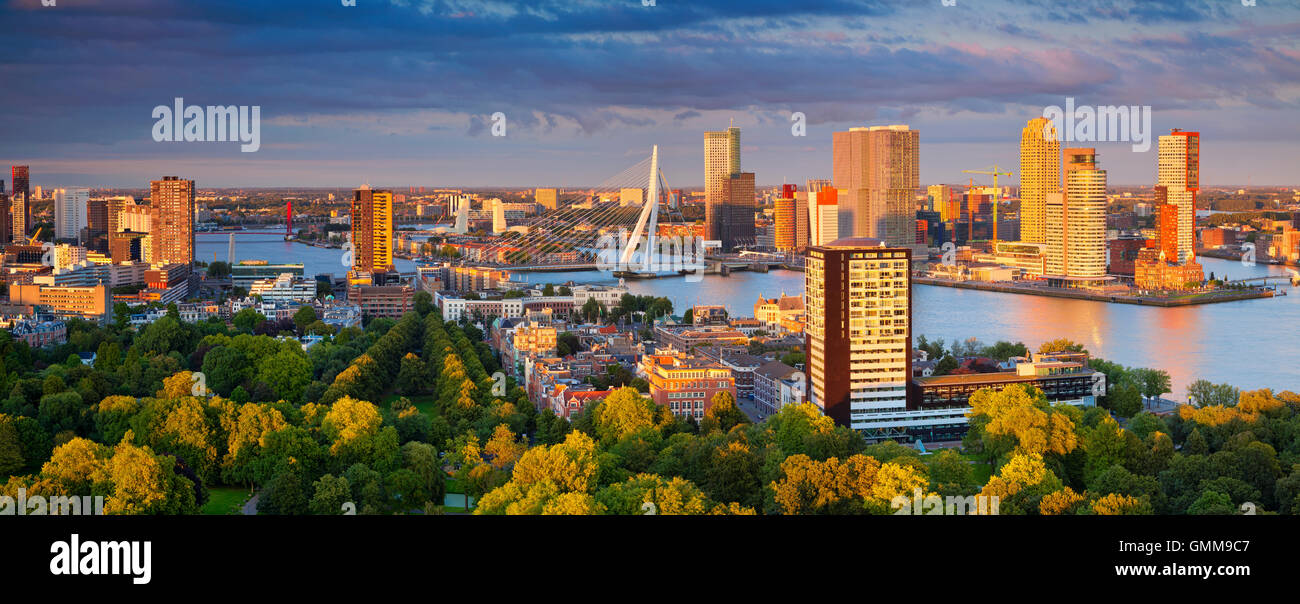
35,238
996,192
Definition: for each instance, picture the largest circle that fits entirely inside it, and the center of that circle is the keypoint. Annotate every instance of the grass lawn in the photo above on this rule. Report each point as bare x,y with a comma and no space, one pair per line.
424,403
225,500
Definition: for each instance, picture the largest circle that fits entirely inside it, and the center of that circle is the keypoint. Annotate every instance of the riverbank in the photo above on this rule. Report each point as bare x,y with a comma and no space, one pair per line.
1053,292
1231,255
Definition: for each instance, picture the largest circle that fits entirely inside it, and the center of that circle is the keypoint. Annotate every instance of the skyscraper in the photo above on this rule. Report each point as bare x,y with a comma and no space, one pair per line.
1179,171
6,226
372,230
878,170
18,217
721,160
95,235
858,331
22,186
823,216
786,223
172,220
1040,176
70,212
1076,222
737,211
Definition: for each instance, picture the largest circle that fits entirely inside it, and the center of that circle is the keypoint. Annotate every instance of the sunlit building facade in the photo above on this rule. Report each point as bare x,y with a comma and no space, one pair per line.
858,331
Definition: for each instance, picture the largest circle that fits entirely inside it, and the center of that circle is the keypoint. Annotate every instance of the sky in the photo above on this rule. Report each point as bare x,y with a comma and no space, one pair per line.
403,92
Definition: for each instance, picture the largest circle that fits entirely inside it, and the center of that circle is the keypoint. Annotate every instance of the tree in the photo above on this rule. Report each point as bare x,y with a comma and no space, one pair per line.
285,495
724,413
287,373
422,302
950,475
1212,503
163,336
329,494
946,365
591,310
414,377
1018,419
225,368
218,269
303,318
1153,382
1208,394
248,320
1060,345
623,412
11,453
1125,400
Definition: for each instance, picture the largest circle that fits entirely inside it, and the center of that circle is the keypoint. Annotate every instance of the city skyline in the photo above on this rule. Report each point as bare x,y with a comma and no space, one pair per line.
579,79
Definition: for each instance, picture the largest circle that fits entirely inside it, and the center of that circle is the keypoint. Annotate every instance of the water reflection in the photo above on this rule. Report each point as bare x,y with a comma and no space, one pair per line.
1250,344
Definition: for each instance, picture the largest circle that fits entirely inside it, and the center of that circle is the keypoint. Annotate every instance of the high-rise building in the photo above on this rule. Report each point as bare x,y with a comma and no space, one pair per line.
372,230
547,198
1040,176
70,212
498,216
878,170
95,235
938,198
6,226
172,220
1076,222
1179,171
22,186
859,333
823,216
19,220
721,160
785,223
737,211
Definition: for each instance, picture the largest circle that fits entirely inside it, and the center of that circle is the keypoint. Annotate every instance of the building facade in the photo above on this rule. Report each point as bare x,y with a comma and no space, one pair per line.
858,331
172,220
372,230
1040,176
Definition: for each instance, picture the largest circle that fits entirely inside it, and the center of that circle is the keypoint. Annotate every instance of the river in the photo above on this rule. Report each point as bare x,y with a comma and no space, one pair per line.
1249,344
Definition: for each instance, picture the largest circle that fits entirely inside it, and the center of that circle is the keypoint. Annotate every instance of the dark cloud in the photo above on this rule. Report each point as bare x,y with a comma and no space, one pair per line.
83,77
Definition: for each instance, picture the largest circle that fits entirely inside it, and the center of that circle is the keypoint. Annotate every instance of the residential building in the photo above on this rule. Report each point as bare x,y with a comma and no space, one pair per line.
877,170
823,216
372,230
70,213
390,301
172,220
777,385
1076,223
686,384
721,161
858,332
1040,176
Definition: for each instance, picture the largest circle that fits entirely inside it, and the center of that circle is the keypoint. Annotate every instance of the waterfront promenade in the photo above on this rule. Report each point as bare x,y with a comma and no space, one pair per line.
1206,297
